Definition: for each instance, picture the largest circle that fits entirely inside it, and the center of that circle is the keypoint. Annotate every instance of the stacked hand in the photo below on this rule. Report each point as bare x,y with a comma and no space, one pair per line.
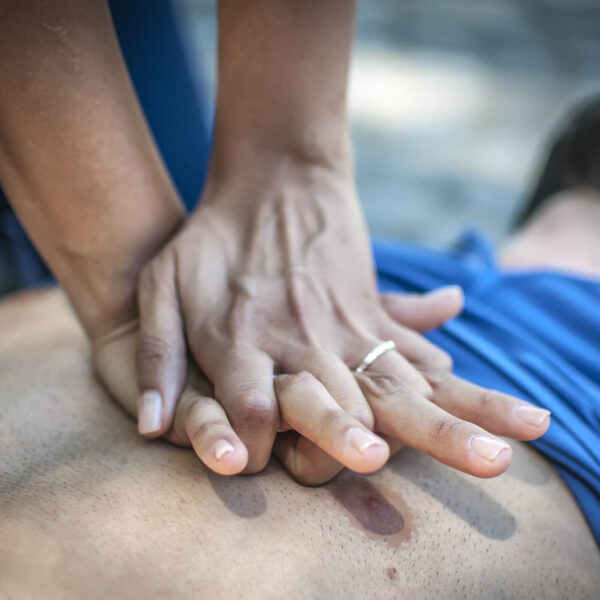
271,287
268,291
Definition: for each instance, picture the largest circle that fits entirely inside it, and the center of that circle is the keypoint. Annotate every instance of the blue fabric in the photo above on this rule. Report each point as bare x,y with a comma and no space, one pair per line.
20,265
535,335
172,99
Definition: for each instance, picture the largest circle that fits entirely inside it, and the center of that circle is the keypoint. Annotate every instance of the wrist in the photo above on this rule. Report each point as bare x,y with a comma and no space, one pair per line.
239,146
102,285
96,228
273,180
252,169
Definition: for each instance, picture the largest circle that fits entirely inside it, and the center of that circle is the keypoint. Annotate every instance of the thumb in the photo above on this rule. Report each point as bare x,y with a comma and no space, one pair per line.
422,312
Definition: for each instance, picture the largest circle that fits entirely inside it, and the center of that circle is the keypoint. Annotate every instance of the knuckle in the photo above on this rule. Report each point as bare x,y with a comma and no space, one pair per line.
485,401
153,349
383,386
330,419
443,429
255,411
287,382
303,377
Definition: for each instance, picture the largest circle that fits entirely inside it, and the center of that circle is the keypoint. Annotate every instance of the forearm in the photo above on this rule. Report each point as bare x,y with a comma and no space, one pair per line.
76,158
283,68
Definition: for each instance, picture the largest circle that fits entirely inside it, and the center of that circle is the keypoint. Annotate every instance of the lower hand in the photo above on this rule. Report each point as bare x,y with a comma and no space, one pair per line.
200,421
318,447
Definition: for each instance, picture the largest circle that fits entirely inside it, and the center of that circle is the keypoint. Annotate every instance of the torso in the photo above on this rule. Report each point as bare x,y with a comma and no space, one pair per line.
88,509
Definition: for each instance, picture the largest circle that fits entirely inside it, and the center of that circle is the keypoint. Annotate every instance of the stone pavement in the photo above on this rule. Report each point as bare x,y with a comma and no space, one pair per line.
451,102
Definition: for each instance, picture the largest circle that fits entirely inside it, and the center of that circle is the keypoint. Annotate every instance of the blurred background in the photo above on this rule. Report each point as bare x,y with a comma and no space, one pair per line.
451,102
452,105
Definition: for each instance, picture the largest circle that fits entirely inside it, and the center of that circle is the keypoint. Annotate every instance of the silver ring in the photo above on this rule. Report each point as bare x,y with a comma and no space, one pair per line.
374,354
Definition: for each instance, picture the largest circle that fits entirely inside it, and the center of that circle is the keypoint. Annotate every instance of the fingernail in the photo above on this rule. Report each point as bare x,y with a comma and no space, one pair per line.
221,448
532,415
487,447
150,407
449,290
362,440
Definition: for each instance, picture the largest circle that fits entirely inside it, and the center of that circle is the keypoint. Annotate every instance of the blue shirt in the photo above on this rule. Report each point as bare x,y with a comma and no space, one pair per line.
532,334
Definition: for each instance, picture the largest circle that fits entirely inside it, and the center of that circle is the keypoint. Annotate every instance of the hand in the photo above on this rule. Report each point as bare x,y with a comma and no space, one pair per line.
445,431
272,274
261,274
200,421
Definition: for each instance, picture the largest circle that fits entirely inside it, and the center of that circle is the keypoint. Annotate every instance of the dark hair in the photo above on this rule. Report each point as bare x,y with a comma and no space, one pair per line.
574,158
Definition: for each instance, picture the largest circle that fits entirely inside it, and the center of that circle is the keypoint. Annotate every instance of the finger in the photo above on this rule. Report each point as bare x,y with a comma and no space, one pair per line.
114,363
423,312
308,407
212,437
404,415
394,444
161,351
201,422
418,350
337,379
394,364
244,387
496,412
304,460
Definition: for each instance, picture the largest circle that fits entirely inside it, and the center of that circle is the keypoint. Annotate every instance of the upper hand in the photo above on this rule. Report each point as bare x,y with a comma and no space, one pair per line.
199,421
273,274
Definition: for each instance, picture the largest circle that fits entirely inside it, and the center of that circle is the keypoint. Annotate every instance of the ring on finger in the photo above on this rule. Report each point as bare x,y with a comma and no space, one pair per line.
378,351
